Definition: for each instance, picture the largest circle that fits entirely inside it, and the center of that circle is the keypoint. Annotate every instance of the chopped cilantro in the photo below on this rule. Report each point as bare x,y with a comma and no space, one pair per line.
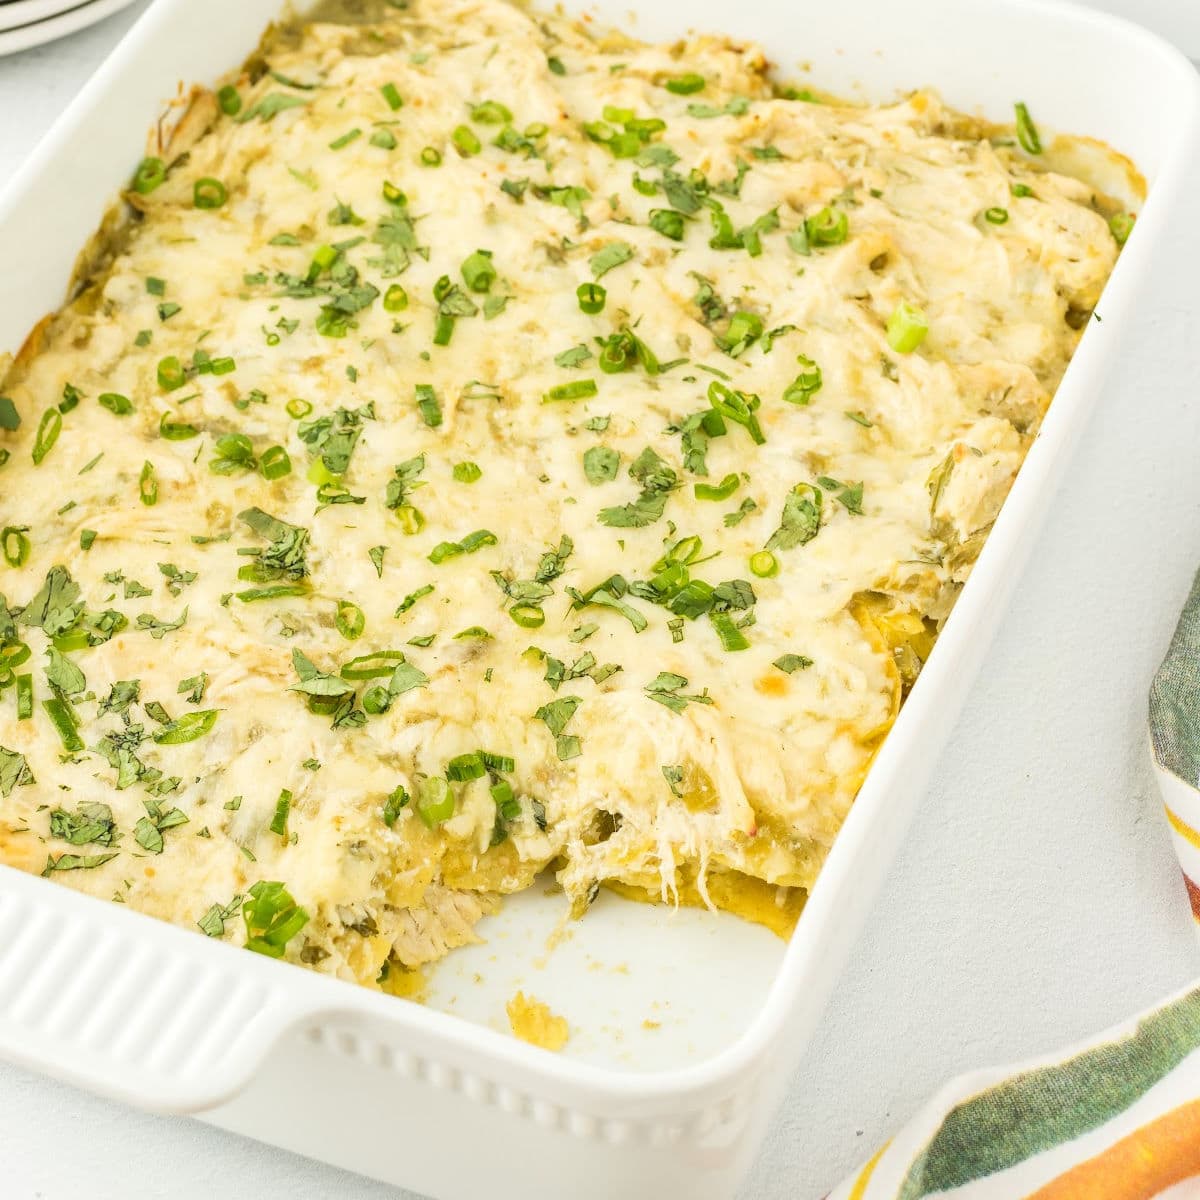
801,520
612,255
788,663
666,688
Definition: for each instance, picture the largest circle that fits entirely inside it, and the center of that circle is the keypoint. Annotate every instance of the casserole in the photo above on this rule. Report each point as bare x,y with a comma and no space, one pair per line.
737,1065
322,263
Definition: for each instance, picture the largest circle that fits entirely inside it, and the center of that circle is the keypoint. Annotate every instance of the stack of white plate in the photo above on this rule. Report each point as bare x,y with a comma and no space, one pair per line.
25,23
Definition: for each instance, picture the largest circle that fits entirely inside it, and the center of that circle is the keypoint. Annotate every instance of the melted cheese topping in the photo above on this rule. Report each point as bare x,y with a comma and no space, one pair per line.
366,257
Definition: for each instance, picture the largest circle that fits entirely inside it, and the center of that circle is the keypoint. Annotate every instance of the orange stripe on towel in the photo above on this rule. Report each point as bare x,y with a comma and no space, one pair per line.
1150,1160
1193,897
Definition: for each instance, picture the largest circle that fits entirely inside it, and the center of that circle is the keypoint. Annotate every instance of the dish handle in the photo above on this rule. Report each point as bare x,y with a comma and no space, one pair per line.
120,1004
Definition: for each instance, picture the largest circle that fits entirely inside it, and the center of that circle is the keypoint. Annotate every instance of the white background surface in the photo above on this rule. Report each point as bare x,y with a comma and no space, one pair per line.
1036,900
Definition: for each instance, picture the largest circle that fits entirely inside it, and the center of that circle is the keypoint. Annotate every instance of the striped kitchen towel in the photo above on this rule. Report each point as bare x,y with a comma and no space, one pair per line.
1115,1119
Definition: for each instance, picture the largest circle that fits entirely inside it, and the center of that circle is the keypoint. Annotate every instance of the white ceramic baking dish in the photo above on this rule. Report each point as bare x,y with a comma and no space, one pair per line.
171,1021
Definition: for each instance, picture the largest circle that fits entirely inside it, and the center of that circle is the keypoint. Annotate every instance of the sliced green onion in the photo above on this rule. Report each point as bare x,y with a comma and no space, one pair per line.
528,616
323,258
209,193
175,431
996,216
619,352
230,100
577,389
16,546
411,519
466,472
465,141
491,112
625,145
171,374
478,271
806,385
151,173
276,591
68,643
591,297
384,139
12,656
413,597
435,801
906,328
1121,225
283,806
498,762
427,405
272,918
24,697
718,491
275,463
431,157
828,227
117,404
340,143
1021,190
738,407
1027,133
48,430
298,409
685,85
685,550
148,485
462,768
63,720
668,222
731,636
349,620
318,472
378,665
745,328
189,728
392,96
443,329
395,299
646,127
764,564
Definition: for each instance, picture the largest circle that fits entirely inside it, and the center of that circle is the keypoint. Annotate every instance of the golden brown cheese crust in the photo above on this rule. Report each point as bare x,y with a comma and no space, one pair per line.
534,535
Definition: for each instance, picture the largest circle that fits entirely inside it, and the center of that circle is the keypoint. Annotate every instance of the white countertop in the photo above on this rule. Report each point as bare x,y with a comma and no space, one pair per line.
1036,900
